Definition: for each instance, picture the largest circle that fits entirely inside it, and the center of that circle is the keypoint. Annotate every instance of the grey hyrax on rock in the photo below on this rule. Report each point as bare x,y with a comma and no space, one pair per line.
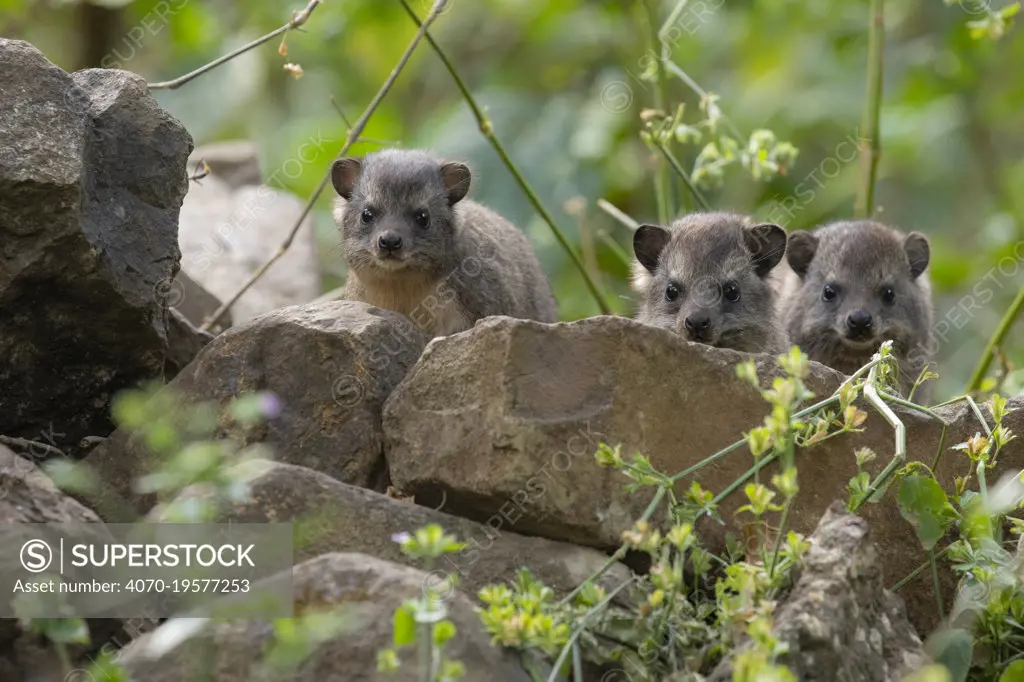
707,277
414,244
853,285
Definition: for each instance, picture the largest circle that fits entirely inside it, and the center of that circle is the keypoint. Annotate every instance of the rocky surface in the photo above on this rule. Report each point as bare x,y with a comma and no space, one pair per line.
331,365
195,303
27,496
839,621
92,174
368,590
236,162
227,232
335,517
512,411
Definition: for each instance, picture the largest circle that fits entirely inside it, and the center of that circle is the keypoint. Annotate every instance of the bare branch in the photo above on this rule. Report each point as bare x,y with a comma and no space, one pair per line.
297,20
350,139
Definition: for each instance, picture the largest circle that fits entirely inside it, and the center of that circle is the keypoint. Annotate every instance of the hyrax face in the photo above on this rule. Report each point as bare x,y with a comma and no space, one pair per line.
705,278
398,210
861,284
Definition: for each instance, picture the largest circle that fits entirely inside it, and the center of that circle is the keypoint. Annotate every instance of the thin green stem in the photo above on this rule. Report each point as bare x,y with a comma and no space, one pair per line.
870,146
613,245
583,626
683,174
487,130
297,20
350,139
917,571
942,445
619,553
935,582
778,541
995,342
616,213
661,188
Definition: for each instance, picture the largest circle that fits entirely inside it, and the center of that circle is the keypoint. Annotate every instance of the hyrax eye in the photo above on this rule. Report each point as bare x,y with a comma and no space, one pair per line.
828,293
422,218
671,292
366,216
731,292
888,295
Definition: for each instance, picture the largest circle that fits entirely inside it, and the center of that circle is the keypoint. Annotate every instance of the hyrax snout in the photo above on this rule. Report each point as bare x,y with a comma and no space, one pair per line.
414,244
707,278
853,285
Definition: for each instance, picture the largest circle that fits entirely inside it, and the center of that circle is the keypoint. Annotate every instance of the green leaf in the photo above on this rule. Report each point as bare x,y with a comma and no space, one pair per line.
1013,673
924,504
405,627
443,632
953,649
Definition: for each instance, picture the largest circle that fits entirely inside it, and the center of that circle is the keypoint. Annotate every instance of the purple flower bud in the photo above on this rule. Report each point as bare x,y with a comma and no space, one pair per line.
401,538
270,405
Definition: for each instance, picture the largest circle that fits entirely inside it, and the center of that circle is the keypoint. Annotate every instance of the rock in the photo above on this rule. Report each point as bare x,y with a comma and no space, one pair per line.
512,411
236,162
196,303
184,342
335,517
839,621
368,590
227,233
92,174
28,496
331,365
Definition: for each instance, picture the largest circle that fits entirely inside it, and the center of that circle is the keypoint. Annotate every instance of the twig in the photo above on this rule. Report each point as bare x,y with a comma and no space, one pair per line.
871,147
661,186
686,178
487,129
995,342
614,212
350,139
619,252
297,20
26,444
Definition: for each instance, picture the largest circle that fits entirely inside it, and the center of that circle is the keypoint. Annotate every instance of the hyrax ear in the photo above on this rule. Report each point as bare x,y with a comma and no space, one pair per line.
800,252
918,253
456,178
648,242
344,175
767,245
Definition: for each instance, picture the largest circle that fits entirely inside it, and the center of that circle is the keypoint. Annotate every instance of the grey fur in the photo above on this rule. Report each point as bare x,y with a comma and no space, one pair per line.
859,259
700,254
466,264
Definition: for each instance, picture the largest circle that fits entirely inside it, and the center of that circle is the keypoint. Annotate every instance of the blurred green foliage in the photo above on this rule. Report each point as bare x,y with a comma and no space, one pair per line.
562,83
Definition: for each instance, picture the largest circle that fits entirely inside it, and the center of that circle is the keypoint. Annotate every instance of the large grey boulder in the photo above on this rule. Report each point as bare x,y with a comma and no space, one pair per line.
334,517
92,175
512,411
366,591
230,227
331,366
839,621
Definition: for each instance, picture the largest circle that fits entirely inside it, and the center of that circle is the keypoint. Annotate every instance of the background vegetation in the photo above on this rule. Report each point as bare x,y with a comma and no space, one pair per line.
562,81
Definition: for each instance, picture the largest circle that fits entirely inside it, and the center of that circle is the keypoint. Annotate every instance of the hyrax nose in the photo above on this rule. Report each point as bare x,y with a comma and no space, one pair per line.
697,323
389,241
859,320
